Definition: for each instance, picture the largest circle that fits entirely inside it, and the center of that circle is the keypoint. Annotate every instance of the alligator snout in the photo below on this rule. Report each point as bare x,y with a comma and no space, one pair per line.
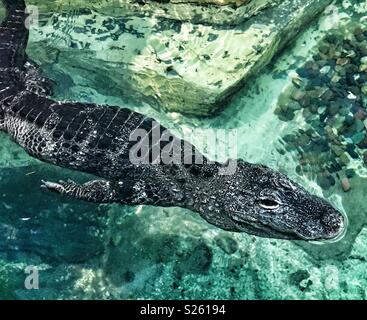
333,223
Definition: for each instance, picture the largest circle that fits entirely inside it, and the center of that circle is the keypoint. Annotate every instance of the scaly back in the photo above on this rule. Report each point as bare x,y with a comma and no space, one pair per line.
13,35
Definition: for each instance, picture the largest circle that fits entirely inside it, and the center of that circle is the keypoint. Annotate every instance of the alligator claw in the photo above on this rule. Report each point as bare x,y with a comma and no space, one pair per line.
52,186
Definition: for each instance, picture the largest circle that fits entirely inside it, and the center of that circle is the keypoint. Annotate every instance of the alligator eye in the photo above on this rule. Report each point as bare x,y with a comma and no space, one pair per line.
269,204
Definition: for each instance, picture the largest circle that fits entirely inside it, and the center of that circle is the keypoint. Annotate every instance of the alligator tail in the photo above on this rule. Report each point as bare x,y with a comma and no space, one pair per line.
13,34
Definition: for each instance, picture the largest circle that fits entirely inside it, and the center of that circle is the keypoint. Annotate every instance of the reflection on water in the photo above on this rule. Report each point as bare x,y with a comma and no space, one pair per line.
285,119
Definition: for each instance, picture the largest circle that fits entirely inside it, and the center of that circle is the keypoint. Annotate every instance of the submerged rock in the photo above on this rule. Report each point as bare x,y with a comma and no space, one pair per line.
211,12
331,93
345,184
173,65
227,244
297,277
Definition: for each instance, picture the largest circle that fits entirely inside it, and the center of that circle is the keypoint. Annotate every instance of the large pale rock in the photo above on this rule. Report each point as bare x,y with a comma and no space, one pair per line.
217,2
176,66
200,11
221,12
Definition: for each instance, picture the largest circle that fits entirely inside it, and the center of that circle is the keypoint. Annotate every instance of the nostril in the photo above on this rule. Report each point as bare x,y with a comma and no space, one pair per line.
333,224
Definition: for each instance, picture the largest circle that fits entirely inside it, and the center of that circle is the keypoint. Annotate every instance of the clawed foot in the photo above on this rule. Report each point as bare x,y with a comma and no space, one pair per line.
99,191
61,187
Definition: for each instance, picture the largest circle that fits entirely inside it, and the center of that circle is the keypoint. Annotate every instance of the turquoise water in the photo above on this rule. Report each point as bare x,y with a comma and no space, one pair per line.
116,252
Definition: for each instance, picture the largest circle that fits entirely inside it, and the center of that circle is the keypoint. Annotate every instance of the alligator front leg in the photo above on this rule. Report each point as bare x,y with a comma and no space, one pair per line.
99,191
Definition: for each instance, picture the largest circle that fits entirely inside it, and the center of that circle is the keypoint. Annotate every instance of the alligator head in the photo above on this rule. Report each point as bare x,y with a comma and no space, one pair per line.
264,202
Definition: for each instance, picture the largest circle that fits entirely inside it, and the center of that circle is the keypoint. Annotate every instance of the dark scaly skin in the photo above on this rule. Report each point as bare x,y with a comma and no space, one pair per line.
97,139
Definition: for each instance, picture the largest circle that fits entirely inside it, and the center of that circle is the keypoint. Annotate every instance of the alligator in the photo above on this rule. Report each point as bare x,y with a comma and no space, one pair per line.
97,139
